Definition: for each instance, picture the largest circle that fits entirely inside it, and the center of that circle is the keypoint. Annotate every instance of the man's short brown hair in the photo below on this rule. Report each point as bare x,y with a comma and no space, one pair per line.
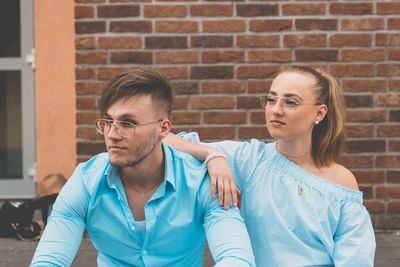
138,81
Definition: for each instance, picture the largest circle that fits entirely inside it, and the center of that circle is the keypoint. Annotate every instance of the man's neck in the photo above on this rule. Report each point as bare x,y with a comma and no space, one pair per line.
146,175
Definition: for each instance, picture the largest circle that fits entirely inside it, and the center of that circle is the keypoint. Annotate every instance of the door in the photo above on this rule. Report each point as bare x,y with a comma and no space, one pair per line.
17,132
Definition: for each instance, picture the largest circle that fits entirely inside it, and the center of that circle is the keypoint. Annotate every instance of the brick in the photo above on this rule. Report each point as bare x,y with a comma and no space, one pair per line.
394,85
350,8
83,73
245,72
394,146
366,116
312,40
172,73
118,11
392,191
374,206
211,41
270,25
185,117
393,206
394,53
358,101
369,177
363,55
394,115
215,133
176,57
224,118
222,56
211,10
89,148
393,23
388,131
87,133
367,192
247,102
253,41
258,56
388,8
359,130
246,133
387,39
316,24
131,26
387,161
84,12
185,87
312,55
88,88
89,1
87,117
367,85
136,1
120,42
214,102
91,58
86,103
300,9
157,11
180,102
258,86
356,161
85,43
176,26
366,146
257,117
350,40
106,73
131,57
224,26
388,70
161,42
352,70
88,27
388,100
393,176
362,24
228,87
211,72
255,10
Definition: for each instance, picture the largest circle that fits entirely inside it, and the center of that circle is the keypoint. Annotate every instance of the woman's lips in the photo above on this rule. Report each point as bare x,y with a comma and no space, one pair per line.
276,123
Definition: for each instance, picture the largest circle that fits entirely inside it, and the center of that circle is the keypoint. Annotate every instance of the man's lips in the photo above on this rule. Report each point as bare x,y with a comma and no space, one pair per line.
116,148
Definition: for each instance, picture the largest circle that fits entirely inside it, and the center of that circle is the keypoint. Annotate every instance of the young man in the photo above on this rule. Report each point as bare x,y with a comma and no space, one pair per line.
142,203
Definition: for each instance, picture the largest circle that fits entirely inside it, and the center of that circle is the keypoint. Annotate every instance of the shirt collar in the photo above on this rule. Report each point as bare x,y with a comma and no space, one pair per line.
111,172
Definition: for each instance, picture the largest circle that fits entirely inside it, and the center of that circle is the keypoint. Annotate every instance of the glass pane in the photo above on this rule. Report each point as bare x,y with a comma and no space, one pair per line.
11,125
10,44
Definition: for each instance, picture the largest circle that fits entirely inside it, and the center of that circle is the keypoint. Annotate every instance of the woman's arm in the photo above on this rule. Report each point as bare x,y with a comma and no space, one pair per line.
218,168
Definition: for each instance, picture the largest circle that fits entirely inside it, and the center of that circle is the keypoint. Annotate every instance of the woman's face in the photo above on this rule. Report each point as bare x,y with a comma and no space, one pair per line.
291,110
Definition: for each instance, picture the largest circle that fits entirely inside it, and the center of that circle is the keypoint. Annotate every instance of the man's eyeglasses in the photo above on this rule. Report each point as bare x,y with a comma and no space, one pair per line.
287,102
124,128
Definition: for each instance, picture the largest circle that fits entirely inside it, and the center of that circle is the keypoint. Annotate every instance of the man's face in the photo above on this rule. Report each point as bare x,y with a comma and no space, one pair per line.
129,151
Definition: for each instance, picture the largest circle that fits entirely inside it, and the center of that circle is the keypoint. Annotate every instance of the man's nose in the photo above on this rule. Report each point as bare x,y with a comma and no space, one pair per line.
113,132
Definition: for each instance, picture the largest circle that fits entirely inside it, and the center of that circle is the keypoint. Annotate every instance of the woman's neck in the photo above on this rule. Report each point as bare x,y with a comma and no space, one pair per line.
297,151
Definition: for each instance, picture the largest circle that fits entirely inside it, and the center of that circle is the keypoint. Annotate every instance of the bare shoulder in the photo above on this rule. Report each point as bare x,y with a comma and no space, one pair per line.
341,175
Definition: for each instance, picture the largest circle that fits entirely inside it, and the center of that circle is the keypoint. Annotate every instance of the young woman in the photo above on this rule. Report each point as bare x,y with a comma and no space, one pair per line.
300,206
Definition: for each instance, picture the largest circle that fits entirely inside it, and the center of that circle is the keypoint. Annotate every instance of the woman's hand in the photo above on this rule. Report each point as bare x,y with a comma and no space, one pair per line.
222,180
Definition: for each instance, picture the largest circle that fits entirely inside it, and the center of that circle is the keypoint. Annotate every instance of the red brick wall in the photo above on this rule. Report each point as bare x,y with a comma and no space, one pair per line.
221,55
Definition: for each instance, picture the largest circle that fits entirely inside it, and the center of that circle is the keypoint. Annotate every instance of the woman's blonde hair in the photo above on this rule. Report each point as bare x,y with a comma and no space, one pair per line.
328,137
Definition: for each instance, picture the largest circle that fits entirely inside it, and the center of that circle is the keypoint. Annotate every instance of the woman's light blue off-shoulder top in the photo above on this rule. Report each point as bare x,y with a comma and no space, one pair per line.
294,217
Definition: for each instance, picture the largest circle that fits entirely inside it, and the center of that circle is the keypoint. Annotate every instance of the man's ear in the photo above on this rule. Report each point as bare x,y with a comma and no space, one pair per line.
165,128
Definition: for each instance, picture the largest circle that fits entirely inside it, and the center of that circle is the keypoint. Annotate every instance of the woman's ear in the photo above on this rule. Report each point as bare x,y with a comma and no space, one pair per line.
165,128
322,110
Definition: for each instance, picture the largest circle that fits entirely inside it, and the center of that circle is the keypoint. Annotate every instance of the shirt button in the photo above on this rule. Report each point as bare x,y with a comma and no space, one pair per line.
133,228
144,252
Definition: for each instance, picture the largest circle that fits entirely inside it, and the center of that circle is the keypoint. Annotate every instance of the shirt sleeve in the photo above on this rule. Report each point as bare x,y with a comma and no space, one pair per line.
226,232
243,157
354,238
63,233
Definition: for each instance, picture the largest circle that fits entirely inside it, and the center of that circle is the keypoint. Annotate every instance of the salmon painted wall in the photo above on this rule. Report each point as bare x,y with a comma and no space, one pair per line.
55,89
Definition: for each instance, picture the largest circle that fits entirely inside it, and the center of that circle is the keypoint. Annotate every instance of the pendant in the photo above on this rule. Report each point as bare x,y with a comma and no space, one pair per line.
299,190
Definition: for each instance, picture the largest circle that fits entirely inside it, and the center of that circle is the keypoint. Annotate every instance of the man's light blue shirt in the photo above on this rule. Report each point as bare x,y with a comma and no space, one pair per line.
179,216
